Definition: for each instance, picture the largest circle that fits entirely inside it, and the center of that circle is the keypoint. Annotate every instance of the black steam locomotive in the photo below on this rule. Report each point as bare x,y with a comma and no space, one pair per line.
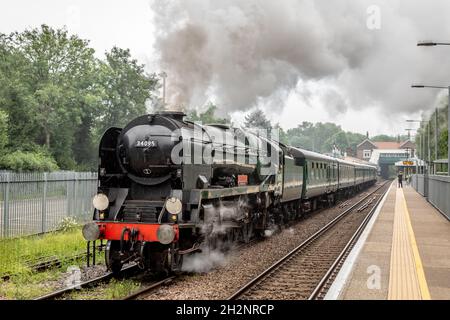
167,186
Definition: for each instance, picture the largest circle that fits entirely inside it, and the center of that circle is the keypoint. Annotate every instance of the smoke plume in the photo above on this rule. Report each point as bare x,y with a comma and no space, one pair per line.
242,54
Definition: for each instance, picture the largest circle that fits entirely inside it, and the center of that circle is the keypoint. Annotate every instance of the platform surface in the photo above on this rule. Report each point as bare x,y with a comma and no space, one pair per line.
406,255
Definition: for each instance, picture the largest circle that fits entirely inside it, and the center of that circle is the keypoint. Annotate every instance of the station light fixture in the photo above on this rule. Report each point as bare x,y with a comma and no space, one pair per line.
431,44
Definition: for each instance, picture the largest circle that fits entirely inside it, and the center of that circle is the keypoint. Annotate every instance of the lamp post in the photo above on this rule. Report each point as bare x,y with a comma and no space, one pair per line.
423,153
425,169
433,44
436,134
411,150
448,124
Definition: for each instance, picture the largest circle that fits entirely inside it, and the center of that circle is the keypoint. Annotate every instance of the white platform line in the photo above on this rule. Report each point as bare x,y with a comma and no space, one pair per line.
343,275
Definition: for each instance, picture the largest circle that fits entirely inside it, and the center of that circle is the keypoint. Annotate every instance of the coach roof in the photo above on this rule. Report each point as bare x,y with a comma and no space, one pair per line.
309,155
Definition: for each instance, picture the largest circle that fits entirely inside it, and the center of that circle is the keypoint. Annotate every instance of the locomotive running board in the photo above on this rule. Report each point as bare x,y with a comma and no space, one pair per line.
229,192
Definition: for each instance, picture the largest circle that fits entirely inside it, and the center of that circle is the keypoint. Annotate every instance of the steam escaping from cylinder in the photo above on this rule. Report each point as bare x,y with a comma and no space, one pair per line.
204,261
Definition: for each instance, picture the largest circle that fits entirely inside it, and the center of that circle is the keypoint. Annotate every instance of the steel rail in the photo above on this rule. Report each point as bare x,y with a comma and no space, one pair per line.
300,247
89,283
319,291
149,288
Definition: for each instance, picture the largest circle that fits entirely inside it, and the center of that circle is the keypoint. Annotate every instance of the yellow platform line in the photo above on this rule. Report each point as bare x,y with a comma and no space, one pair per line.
425,292
407,279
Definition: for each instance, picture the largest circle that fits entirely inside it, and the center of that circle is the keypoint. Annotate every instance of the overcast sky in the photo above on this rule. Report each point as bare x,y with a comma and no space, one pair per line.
298,60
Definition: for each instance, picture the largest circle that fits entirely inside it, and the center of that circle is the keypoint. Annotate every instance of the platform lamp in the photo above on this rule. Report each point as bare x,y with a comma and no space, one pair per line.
432,44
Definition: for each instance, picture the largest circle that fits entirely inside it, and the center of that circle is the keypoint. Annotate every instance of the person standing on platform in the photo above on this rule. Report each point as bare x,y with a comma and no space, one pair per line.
400,179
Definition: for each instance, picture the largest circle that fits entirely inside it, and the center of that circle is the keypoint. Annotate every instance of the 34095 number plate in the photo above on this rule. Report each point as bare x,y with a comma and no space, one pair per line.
146,144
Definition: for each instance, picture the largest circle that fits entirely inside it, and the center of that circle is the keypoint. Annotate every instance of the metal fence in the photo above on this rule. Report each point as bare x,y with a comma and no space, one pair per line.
417,182
32,203
438,191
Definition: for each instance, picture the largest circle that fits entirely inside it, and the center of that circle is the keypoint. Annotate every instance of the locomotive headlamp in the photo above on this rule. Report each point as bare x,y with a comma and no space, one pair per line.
90,231
173,205
100,201
165,234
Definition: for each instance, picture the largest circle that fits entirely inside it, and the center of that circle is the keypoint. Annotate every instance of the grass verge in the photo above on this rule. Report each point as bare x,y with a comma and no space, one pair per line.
113,290
16,255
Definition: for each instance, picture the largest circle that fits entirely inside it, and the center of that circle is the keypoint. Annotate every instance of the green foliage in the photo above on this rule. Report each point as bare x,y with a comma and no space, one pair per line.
443,144
55,93
282,135
426,134
127,88
257,119
319,137
113,290
4,139
207,117
120,289
28,161
16,255
383,137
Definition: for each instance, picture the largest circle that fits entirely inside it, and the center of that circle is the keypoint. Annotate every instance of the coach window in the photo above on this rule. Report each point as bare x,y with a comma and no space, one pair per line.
316,171
319,171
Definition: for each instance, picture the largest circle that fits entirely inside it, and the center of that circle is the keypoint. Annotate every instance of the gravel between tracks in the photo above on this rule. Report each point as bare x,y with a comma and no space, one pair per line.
239,267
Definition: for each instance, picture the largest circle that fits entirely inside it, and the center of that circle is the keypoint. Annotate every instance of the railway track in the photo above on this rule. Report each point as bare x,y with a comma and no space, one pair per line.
47,262
309,269
149,288
87,284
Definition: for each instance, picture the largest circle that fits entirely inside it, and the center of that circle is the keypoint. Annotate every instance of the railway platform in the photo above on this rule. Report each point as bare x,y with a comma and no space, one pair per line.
404,253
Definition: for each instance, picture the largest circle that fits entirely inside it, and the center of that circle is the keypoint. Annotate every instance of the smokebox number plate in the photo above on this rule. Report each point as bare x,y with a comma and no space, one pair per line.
146,144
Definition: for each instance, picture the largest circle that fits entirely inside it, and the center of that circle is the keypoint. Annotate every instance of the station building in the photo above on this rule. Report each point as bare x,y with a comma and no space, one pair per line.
386,154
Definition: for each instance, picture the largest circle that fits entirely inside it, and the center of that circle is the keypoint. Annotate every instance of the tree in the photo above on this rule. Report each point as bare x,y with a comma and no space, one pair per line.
282,135
257,119
353,140
3,131
207,117
58,62
316,137
16,95
384,138
338,140
56,94
127,88
49,84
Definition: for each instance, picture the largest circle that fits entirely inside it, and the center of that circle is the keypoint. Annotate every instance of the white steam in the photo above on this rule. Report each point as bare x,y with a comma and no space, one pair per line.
204,261
243,54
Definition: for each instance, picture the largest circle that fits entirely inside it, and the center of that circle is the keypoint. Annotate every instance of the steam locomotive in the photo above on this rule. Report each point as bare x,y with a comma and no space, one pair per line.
167,187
